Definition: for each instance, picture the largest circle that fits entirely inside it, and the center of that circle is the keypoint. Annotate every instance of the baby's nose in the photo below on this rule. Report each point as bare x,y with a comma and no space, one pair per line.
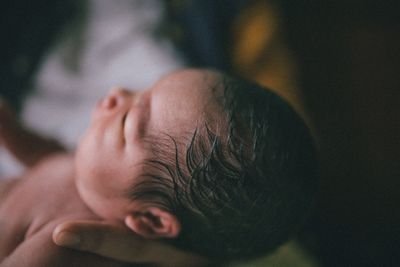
116,97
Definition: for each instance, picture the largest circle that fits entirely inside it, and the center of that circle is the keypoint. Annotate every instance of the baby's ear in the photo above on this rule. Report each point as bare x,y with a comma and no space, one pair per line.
154,223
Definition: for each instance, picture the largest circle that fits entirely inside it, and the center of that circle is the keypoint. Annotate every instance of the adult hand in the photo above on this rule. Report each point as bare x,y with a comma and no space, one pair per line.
7,119
27,146
121,244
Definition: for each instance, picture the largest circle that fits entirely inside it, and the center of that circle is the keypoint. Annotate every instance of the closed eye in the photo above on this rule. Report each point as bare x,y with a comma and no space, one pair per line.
123,127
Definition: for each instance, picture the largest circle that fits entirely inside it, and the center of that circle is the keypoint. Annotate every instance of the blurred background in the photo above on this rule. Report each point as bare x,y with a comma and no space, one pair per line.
337,62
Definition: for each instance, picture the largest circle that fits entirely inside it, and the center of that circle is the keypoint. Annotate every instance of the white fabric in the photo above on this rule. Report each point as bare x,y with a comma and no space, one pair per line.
114,45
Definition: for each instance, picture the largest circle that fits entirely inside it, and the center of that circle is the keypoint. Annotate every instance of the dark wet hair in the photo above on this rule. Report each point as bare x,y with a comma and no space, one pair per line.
242,192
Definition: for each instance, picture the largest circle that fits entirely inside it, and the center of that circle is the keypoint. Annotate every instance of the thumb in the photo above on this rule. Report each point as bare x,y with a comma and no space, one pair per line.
121,244
103,239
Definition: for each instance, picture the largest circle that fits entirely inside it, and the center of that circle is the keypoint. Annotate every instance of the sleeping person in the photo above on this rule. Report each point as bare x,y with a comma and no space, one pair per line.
207,163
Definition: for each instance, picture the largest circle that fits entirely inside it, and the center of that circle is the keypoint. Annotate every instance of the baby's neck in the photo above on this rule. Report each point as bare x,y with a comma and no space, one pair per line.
109,209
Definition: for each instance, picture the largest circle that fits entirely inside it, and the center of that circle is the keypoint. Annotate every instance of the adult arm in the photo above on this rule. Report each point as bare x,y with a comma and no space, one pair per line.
27,146
121,244
40,251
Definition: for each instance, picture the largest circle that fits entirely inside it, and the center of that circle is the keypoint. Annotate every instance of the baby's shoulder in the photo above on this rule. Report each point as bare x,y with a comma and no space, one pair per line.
54,166
6,187
44,196
62,164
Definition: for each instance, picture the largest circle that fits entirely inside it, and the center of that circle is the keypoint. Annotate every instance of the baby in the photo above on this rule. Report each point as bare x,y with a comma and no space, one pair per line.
210,164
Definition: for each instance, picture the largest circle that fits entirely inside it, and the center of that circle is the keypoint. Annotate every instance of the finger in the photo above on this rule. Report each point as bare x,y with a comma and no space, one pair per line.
120,244
5,109
7,115
103,239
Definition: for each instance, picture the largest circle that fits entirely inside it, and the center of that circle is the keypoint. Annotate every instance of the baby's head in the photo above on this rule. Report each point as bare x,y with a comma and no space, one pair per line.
216,165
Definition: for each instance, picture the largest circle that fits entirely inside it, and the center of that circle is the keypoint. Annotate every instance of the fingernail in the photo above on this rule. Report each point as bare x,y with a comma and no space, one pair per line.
68,239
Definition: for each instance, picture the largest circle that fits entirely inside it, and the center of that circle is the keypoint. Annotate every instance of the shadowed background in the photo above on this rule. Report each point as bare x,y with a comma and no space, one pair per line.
337,62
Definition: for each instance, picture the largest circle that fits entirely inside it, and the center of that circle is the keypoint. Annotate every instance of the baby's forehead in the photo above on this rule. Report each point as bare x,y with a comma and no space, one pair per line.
197,75
187,98
205,84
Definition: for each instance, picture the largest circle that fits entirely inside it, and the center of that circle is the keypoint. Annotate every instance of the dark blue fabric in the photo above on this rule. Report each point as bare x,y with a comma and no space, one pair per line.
206,26
29,27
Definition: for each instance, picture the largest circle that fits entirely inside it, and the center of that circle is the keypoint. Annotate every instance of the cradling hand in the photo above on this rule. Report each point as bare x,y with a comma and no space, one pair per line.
7,120
122,244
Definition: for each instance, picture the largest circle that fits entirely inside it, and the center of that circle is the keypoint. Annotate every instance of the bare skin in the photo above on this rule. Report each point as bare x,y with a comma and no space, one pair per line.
27,146
76,192
26,229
